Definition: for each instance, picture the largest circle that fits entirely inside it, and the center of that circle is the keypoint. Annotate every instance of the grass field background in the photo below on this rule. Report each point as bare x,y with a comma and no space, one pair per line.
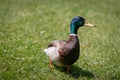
27,26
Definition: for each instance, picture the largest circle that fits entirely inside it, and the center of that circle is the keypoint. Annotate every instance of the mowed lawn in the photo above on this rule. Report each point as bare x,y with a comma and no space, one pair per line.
28,26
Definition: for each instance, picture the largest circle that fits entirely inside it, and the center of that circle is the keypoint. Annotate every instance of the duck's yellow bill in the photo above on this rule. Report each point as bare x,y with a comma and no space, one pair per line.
89,24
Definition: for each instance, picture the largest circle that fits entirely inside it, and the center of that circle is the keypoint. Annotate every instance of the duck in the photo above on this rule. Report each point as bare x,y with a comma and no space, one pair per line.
64,53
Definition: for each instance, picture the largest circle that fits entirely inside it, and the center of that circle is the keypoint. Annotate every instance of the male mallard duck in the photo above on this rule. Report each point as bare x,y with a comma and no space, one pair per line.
65,53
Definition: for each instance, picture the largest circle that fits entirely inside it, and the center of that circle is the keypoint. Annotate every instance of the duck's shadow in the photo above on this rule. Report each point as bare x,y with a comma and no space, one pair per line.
77,72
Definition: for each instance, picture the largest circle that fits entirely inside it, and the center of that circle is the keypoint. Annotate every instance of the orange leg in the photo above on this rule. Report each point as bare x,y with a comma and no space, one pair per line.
68,69
51,64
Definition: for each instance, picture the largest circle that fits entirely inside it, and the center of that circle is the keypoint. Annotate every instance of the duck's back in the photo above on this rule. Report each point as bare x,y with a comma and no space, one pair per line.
64,53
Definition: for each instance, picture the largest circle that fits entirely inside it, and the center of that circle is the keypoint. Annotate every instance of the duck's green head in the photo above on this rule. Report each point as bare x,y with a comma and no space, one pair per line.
78,22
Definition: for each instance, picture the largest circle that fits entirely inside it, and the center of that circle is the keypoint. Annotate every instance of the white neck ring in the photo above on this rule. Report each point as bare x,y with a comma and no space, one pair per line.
73,34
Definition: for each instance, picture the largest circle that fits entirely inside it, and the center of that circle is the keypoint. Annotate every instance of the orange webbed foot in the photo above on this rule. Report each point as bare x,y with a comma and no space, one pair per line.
51,65
68,69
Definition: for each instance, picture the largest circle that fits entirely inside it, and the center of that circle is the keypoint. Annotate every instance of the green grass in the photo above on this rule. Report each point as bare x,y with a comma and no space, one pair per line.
27,26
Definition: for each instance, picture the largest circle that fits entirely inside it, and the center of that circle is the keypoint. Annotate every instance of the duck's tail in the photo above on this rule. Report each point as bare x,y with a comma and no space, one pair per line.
45,50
